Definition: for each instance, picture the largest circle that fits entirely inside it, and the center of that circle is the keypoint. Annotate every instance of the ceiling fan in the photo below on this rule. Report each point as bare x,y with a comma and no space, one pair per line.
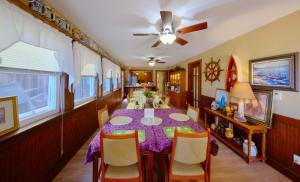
168,34
152,61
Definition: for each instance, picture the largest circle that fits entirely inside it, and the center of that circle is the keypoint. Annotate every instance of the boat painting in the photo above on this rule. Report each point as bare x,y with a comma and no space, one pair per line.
272,73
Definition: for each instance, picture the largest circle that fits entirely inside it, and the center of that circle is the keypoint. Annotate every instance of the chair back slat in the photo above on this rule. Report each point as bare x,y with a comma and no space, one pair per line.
103,116
119,150
193,113
191,150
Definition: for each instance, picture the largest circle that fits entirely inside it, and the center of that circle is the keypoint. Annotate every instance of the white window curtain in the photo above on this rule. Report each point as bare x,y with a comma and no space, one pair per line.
17,25
87,62
118,77
112,71
108,68
108,75
118,72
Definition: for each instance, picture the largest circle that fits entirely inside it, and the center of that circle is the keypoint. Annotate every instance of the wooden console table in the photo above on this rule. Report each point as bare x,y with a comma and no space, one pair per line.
249,129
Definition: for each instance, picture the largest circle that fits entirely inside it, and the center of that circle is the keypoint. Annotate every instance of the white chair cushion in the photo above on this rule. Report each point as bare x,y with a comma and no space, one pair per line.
192,114
191,150
120,152
181,169
104,117
126,172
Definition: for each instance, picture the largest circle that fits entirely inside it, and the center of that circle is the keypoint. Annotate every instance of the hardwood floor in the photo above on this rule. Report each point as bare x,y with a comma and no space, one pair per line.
226,167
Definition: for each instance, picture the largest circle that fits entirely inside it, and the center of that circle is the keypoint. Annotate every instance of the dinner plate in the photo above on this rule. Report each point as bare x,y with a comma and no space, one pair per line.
151,121
179,117
121,120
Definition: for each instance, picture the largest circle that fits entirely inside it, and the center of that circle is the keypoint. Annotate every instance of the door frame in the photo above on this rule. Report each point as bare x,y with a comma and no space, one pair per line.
190,94
156,72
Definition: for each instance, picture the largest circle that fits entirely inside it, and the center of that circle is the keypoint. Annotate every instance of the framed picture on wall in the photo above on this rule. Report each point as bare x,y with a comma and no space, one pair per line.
9,120
275,73
259,110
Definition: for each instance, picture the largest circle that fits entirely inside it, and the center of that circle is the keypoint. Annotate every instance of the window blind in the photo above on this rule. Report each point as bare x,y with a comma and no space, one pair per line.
25,56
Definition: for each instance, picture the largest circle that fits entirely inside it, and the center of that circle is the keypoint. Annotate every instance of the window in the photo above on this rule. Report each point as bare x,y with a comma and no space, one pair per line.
31,74
115,83
107,85
37,93
85,90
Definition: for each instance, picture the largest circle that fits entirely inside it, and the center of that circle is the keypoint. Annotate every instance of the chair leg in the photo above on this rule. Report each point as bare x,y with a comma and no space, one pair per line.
99,173
207,179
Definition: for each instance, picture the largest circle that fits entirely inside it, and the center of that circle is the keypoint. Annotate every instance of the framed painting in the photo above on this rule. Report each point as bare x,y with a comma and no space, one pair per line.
259,110
221,98
275,73
9,120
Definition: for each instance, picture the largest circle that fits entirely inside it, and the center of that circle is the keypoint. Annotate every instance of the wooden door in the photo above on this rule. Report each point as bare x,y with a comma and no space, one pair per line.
194,83
122,83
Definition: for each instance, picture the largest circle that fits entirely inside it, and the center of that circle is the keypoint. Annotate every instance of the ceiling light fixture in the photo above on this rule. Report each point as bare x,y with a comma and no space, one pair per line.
167,37
151,63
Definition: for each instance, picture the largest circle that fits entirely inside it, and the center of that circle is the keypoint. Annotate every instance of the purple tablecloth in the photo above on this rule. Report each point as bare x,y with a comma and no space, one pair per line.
156,140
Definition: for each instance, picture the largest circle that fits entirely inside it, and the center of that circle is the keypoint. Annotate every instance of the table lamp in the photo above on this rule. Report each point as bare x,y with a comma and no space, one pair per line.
242,91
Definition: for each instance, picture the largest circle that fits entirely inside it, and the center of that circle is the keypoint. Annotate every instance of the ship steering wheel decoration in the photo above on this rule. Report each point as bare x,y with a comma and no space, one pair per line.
212,70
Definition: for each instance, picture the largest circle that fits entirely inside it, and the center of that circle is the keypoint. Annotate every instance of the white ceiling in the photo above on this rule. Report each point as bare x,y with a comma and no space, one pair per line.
112,22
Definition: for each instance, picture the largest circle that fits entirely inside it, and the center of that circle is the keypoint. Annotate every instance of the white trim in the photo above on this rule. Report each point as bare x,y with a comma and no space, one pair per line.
84,101
36,117
106,93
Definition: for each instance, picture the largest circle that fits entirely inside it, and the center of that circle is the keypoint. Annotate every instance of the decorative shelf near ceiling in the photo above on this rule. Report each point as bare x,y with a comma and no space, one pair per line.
231,74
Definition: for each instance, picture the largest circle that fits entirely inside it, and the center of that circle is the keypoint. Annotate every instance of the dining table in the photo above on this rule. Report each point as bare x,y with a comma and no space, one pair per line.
154,137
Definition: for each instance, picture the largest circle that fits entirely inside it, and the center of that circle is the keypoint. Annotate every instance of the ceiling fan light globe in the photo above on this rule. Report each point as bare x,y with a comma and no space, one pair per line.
151,63
167,38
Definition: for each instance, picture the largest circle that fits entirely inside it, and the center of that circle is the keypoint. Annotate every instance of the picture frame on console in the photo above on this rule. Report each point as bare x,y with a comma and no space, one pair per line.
259,110
275,73
9,120
221,98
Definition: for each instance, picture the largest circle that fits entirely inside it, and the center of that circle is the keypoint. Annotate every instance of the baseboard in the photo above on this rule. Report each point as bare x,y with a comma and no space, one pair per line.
285,171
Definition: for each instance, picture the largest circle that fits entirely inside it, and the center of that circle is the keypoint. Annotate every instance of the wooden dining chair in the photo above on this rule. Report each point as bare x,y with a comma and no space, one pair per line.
193,113
121,160
190,157
103,116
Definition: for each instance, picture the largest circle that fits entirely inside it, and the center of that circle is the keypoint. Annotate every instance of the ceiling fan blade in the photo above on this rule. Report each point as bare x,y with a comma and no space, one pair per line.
145,34
181,41
159,61
156,43
166,19
193,28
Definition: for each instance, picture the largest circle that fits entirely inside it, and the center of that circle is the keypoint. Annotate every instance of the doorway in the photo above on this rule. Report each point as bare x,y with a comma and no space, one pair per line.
194,83
122,83
161,79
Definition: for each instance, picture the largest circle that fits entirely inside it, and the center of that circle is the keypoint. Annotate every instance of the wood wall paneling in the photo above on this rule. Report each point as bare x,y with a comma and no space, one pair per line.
31,155
35,154
283,140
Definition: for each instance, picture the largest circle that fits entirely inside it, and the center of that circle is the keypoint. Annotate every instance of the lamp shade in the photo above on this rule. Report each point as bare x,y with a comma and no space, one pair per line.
242,90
